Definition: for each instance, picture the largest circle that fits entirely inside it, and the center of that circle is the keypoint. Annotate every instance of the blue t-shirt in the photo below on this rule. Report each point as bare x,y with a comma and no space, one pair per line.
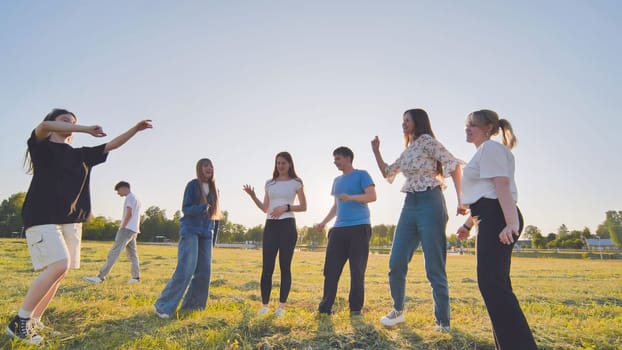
351,213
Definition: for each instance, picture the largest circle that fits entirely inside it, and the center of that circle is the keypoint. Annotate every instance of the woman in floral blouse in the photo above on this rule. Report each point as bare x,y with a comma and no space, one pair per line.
424,215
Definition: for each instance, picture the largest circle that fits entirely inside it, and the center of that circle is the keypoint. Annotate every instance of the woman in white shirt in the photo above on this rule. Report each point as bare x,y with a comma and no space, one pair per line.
488,188
280,233
424,215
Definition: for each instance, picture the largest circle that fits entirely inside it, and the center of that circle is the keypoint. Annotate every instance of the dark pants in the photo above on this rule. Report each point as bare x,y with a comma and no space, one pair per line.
509,325
280,237
346,243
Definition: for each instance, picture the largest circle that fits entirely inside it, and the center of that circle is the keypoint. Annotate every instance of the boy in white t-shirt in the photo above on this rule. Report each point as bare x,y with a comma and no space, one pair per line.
125,238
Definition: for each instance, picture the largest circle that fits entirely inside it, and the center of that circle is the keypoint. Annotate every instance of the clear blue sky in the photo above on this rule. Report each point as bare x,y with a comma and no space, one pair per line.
238,82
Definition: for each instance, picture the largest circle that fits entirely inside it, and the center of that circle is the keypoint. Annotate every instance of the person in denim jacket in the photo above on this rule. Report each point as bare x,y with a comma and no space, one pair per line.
198,229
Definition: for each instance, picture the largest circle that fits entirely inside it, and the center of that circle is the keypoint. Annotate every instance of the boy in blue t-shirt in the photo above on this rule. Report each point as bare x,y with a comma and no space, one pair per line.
349,237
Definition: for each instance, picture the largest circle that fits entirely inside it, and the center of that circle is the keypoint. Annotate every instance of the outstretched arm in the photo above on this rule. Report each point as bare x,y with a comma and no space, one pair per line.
375,146
263,206
123,138
44,129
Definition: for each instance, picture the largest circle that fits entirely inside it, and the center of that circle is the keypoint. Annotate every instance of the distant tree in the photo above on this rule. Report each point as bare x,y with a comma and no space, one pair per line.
312,236
230,232
562,231
382,234
551,237
530,231
11,214
254,234
586,232
100,229
614,225
603,231
538,241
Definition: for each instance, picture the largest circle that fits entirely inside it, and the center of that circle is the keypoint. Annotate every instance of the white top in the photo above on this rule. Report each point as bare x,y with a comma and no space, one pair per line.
491,160
132,202
282,193
418,163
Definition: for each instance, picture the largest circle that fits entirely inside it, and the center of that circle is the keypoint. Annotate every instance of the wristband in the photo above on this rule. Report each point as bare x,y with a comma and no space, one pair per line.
466,227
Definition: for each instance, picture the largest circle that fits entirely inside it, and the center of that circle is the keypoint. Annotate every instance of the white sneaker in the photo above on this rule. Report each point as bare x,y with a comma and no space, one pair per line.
133,280
161,315
36,324
279,312
94,279
264,310
441,328
392,318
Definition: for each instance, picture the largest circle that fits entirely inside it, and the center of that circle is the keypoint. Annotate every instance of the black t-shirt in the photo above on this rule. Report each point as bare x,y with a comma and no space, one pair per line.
59,190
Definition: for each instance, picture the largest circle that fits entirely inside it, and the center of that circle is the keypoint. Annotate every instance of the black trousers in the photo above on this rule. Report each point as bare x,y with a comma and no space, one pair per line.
346,243
279,236
510,328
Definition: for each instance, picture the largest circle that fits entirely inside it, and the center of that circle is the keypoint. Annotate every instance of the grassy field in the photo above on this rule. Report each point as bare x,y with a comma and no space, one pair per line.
570,304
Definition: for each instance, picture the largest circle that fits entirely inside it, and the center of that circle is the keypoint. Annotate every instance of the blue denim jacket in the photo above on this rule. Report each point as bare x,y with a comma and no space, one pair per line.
195,220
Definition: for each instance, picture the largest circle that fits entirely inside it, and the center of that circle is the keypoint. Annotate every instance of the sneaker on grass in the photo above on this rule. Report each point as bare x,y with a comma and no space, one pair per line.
133,280
392,318
264,310
279,312
93,279
21,329
161,315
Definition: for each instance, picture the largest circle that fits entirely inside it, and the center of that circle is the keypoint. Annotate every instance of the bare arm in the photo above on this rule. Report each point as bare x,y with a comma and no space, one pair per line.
375,146
44,129
126,217
263,206
331,214
367,197
302,201
456,176
502,186
464,231
123,138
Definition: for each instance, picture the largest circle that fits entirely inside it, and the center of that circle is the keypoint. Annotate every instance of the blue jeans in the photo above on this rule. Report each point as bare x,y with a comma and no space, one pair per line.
194,267
423,220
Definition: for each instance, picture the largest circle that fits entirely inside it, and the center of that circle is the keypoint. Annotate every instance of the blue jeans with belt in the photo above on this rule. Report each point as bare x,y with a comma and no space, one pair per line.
193,272
423,220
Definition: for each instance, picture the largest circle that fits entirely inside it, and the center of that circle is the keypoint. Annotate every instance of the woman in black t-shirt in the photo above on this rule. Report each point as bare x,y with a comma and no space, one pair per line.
57,202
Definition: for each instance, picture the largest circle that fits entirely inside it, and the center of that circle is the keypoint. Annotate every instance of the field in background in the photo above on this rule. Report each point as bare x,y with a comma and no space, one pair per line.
570,304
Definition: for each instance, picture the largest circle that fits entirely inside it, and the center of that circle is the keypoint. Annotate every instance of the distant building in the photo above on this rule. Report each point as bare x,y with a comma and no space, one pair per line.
523,244
598,244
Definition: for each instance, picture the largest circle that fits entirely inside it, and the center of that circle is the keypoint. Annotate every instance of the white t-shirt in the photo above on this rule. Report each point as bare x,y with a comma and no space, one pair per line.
132,202
491,160
282,193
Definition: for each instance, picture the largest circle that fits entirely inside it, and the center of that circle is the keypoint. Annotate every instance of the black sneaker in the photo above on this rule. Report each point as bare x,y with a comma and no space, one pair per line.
21,329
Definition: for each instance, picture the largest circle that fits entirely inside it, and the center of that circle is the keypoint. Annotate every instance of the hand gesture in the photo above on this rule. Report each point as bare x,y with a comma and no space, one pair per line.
95,130
462,233
462,210
250,190
320,226
345,197
375,144
278,211
143,124
507,234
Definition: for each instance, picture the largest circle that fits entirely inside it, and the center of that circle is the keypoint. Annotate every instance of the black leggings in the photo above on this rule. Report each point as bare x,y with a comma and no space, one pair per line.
509,326
279,236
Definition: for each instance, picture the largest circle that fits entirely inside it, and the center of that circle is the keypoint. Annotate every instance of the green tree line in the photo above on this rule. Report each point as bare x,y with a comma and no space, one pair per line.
156,226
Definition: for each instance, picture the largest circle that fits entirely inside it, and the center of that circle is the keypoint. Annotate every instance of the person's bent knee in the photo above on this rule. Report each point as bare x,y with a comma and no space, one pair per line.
59,268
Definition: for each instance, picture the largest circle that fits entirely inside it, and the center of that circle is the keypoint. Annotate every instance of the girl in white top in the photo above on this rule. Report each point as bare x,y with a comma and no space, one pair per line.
280,233
488,188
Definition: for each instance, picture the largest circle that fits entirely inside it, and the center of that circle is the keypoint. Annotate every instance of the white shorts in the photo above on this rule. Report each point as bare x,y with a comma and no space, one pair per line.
51,243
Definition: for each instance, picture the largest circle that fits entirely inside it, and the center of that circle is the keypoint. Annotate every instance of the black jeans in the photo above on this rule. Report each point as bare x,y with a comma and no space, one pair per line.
279,236
510,328
346,243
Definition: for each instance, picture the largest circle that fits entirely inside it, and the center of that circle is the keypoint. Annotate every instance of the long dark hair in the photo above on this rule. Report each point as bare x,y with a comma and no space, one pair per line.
55,113
291,172
422,127
212,197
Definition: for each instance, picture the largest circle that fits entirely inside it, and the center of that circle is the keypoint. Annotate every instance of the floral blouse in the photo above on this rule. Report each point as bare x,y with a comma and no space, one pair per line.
418,164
